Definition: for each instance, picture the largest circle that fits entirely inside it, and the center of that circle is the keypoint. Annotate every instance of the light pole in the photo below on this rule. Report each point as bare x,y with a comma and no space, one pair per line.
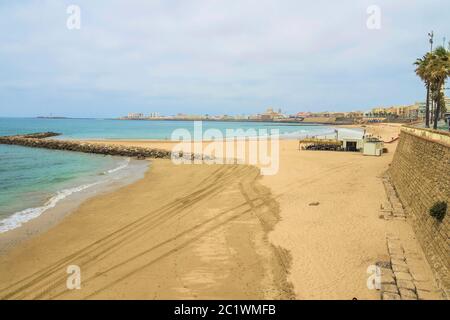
430,109
431,35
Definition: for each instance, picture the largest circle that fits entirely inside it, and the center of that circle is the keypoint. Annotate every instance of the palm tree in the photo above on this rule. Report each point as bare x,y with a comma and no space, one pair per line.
422,71
439,71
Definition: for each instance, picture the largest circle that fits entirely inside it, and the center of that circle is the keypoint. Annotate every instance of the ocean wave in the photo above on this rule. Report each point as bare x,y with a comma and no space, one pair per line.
17,219
122,166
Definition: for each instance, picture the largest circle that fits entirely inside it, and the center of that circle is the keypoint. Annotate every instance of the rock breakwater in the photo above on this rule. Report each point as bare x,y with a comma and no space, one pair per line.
40,140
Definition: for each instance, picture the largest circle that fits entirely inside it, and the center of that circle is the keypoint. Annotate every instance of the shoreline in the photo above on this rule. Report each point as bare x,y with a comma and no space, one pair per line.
188,242
221,232
51,216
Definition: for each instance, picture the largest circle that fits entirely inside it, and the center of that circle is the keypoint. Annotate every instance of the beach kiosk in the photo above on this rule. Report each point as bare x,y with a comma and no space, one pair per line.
352,144
373,147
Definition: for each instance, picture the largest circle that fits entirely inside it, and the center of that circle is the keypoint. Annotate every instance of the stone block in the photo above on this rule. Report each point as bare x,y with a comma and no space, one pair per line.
389,288
390,296
428,295
397,260
400,268
407,294
424,285
402,275
386,206
387,279
397,253
406,284
419,276
394,245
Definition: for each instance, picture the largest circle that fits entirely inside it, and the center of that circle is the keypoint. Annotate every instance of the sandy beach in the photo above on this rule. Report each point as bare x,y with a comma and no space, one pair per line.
225,158
220,232
181,232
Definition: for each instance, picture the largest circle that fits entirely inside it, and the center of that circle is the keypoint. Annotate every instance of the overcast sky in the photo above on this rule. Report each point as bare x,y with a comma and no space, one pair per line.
216,57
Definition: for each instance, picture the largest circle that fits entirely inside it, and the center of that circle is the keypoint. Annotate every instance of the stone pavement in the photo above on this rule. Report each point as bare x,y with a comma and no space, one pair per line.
404,277
407,275
393,209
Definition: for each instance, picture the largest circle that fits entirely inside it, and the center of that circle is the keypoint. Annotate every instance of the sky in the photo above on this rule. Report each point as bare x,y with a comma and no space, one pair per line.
212,56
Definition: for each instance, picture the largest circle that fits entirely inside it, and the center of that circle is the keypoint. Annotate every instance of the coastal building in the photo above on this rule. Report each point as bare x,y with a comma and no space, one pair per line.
421,110
373,118
421,106
134,115
241,117
376,111
154,115
182,116
352,144
354,115
447,118
271,115
304,114
410,112
407,112
254,117
337,114
385,111
372,147
367,145
324,114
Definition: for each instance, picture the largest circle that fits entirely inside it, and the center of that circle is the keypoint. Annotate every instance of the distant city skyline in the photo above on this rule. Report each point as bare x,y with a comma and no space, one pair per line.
202,57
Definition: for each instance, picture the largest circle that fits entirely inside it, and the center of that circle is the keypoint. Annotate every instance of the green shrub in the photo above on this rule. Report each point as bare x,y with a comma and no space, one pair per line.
438,210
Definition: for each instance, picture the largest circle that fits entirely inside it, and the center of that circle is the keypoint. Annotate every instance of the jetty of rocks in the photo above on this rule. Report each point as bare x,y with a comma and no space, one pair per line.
41,140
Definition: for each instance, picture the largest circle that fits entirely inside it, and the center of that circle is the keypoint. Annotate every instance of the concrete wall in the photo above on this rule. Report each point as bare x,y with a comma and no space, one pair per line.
420,172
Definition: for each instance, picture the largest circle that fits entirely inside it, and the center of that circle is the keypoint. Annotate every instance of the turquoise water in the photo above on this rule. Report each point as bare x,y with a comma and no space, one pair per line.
132,129
34,180
29,174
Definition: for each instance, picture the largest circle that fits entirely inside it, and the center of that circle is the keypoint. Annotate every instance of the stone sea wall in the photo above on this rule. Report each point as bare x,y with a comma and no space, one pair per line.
420,172
39,140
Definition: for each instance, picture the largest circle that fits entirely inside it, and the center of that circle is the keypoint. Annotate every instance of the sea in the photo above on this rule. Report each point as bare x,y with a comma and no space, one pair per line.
33,181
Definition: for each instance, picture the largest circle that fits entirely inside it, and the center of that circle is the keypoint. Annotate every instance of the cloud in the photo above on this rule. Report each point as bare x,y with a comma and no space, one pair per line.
204,56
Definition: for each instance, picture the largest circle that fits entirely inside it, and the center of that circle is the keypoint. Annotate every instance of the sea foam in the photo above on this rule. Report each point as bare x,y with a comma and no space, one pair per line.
123,166
19,218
